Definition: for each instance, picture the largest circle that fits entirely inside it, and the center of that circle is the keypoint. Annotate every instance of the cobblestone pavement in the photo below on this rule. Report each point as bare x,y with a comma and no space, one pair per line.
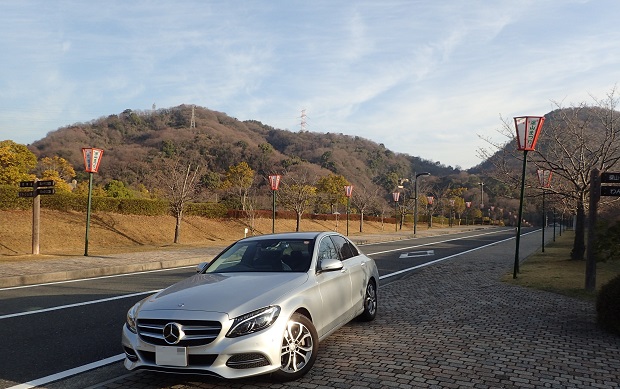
452,325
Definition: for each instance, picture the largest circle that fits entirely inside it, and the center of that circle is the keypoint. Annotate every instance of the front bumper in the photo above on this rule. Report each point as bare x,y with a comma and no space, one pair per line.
244,356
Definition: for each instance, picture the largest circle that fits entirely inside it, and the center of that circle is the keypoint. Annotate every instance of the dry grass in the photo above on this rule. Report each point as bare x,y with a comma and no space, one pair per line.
63,233
554,271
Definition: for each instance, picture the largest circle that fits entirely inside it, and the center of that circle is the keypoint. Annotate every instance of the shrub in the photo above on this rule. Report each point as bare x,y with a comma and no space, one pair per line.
608,306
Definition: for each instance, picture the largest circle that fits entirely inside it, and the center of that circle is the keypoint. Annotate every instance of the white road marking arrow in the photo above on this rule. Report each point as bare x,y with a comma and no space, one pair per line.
417,254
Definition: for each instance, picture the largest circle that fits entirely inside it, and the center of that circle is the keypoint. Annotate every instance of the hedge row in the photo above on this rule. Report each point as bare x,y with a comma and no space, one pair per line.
70,202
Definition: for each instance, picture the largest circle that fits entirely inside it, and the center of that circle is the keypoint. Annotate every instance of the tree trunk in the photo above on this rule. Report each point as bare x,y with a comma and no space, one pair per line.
362,222
579,246
298,222
177,227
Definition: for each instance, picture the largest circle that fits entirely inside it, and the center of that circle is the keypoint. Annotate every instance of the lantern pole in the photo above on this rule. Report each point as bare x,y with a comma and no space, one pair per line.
92,159
348,191
274,182
90,196
516,264
528,128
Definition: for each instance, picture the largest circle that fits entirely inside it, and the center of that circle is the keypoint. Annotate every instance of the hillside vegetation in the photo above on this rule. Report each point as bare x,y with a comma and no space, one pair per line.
132,140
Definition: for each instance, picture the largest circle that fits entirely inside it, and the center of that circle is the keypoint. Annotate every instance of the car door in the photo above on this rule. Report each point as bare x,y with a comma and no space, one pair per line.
334,287
355,264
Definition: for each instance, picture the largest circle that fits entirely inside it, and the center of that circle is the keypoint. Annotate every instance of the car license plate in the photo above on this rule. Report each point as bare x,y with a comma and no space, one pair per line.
171,356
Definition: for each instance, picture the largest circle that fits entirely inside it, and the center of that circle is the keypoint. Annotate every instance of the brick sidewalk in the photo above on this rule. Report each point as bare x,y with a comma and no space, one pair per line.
452,325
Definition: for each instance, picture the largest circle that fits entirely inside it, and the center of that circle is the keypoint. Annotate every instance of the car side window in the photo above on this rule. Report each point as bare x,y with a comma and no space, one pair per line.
343,247
327,249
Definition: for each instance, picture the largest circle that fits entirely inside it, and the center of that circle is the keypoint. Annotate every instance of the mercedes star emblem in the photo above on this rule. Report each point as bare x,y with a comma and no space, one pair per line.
173,333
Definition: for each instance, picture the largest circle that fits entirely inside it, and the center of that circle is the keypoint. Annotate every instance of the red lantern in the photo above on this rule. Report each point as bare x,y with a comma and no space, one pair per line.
528,129
92,159
274,181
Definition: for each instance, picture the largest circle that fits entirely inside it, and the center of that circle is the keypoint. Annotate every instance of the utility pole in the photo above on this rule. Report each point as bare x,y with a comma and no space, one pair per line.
192,122
303,123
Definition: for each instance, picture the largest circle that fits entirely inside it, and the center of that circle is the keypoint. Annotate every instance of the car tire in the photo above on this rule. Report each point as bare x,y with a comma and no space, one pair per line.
370,303
300,344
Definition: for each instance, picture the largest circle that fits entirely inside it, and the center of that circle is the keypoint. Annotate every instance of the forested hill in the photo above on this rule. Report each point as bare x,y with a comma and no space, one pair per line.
132,140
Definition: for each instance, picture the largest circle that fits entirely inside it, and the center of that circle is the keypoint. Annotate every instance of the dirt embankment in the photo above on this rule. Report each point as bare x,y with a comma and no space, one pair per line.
63,233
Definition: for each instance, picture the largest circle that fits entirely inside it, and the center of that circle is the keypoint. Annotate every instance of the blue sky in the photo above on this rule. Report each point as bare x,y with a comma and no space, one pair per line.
425,78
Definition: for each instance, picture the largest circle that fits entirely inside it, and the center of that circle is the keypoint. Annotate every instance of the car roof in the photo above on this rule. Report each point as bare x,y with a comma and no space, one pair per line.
291,235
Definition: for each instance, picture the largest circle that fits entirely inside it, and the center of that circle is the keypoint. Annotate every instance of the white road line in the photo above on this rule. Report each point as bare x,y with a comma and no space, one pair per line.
69,373
445,258
431,243
76,304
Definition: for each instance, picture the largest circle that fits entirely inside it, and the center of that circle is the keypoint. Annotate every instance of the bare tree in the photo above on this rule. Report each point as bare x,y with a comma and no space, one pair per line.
364,199
180,181
573,141
297,194
577,140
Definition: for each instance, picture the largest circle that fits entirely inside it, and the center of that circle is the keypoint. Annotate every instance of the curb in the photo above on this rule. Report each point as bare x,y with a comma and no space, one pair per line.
61,276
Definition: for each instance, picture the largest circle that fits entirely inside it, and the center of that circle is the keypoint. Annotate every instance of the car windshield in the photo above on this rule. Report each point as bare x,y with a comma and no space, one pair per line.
266,255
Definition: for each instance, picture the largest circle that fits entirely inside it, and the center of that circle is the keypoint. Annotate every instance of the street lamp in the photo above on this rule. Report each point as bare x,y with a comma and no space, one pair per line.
544,178
396,196
274,182
92,159
528,129
415,201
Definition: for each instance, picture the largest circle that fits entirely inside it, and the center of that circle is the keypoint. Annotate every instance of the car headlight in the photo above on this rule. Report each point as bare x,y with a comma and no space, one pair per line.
253,321
131,318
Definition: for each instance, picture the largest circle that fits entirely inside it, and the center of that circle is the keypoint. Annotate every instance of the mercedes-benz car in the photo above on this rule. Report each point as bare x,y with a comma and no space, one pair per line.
260,307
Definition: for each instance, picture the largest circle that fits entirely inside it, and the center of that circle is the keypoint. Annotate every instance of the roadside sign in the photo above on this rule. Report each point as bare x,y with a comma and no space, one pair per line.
26,184
608,190
45,183
610,178
46,191
26,194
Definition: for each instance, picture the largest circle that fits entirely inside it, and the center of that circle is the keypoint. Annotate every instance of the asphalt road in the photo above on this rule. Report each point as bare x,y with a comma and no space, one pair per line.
47,329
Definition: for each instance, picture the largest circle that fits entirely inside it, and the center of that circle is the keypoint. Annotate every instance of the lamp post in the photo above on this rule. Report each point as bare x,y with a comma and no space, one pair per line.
274,182
396,196
92,159
544,178
528,129
348,191
415,200
430,199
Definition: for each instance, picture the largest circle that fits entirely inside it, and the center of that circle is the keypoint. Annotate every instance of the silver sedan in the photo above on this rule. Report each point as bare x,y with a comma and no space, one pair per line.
260,307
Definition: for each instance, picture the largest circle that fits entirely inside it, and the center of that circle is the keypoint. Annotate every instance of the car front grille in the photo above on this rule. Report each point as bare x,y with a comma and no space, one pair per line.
196,332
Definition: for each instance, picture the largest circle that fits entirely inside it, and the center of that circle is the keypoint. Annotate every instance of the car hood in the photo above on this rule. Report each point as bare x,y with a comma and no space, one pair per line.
228,293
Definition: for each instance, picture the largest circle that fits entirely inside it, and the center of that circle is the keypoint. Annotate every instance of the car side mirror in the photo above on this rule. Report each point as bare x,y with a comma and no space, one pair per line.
331,264
201,266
